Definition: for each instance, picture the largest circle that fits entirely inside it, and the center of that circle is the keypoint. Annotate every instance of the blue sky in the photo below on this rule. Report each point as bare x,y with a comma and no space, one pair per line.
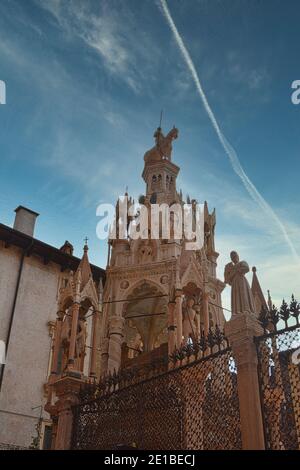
86,81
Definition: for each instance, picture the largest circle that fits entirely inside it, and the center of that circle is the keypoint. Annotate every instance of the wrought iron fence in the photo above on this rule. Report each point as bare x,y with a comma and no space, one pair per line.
192,405
279,375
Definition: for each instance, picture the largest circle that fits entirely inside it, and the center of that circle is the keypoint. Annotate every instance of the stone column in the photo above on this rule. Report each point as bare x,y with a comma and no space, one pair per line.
64,426
94,344
240,331
67,390
178,316
116,326
171,328
205,311
75,315
197,309
104,356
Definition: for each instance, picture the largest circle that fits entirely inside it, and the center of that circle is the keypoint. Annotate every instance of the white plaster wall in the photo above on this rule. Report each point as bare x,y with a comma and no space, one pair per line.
29,348
9,266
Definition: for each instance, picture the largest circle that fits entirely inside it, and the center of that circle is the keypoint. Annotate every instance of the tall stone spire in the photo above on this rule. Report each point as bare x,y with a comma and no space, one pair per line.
270,302
259,299
84,267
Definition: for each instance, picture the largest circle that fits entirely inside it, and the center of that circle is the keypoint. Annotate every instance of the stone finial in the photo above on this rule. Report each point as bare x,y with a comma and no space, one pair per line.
270,302
258,296
84,267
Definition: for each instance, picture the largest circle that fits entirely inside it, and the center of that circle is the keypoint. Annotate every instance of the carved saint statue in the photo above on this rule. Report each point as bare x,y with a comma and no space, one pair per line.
80,344
189,324
241,295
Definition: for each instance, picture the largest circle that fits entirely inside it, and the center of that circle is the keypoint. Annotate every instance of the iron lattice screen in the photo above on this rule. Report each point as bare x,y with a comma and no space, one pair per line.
279,376
194,406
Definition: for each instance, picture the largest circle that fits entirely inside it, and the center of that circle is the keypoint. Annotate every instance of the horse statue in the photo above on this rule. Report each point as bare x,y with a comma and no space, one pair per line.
163,146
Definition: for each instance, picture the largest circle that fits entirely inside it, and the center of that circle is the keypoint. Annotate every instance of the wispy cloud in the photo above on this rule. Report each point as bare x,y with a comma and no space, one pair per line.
112,35
241,72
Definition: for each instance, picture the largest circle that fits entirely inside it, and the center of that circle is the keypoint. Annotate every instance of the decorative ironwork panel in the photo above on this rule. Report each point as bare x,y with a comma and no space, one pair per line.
212,418
279,376
147,415
192,406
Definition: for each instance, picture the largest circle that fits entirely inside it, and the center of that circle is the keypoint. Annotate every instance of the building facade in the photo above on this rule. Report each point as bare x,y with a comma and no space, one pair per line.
31,274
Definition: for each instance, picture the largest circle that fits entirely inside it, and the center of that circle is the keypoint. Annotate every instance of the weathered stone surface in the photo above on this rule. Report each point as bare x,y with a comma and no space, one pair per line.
27,360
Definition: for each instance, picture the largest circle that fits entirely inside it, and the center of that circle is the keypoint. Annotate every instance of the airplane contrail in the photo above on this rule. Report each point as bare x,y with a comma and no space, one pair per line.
231,153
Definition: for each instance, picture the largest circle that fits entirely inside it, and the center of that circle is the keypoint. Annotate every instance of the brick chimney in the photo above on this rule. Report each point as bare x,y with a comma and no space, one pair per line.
25,220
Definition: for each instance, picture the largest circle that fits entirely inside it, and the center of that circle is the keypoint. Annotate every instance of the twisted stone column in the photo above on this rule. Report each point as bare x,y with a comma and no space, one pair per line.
171,328
94,344
178,316
205,311
75,316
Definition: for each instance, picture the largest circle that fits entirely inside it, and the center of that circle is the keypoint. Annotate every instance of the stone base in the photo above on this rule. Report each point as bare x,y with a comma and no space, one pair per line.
66,389
240,331
243,325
